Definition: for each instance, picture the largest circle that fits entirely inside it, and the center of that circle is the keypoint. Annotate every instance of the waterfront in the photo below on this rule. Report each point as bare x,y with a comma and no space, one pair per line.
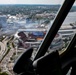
71,18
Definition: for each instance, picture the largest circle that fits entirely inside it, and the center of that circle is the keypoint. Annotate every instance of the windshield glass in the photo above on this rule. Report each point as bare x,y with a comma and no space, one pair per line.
68,28
24,24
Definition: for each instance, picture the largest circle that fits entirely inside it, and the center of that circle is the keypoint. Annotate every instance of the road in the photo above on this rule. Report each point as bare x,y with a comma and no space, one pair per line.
4,48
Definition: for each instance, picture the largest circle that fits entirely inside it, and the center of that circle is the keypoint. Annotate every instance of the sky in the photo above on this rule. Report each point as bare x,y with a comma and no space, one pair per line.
31,1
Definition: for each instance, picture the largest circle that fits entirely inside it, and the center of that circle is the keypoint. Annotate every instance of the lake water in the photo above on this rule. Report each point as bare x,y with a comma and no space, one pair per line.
71,18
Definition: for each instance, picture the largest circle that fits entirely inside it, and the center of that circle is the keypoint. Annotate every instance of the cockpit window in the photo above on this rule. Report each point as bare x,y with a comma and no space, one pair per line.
68,28
24,24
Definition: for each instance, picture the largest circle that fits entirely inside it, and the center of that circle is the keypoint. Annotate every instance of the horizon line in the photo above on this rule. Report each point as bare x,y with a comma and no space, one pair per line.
30,4
33,4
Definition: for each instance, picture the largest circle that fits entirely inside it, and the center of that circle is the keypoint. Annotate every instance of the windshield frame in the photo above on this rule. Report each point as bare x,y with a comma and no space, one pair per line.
60,17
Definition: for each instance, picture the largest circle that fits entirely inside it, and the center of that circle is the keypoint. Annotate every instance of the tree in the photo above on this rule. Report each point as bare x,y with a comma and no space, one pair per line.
0,69
3,73
0,25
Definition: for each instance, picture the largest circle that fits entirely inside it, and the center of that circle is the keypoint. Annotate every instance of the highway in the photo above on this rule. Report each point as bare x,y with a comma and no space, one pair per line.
2,49
3,46
6,59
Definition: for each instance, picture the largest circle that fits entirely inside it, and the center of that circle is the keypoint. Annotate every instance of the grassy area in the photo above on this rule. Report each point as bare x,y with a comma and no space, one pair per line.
3,73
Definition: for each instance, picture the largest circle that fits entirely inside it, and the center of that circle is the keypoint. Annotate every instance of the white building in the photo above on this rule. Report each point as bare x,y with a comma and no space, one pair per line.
67,31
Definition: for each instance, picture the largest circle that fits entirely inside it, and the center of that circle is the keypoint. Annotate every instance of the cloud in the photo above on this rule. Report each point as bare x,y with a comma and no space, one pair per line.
39,1
31,1
7,1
